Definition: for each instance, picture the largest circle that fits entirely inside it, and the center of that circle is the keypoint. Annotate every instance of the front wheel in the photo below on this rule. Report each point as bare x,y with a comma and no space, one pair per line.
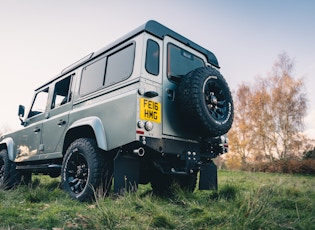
8,174
83,169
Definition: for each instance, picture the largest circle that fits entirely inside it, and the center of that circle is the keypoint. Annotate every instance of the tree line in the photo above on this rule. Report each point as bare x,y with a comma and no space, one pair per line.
268,119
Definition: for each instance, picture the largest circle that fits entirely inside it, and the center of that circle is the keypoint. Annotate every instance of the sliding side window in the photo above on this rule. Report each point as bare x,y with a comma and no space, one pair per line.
93,77
118,67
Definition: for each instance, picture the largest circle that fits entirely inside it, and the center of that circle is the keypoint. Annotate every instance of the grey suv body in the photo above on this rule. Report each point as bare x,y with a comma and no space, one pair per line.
150,107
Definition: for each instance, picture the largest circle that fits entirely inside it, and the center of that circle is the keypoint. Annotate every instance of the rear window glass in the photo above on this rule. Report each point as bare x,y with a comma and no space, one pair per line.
180,62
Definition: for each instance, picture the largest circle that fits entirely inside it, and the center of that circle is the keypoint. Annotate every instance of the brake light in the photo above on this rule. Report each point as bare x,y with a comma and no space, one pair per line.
140,132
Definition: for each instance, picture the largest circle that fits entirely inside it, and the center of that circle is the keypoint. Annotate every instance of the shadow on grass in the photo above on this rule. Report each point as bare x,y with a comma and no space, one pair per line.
227,192
41,190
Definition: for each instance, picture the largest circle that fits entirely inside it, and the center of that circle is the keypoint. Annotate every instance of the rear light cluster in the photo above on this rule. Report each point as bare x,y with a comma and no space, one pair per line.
225,143
147,125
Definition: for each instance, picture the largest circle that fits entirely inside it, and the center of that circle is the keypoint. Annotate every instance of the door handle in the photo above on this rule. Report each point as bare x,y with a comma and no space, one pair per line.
61,123
151,94
36,130
170,94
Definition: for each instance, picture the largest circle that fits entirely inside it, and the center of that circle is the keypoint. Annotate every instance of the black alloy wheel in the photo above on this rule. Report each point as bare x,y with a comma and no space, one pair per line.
85,170
77,173
216,99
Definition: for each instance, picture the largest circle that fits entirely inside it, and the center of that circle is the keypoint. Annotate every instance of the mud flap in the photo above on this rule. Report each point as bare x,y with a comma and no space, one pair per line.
126,173
208,177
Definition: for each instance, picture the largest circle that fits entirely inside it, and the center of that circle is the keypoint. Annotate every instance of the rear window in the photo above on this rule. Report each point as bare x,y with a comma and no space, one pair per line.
180,62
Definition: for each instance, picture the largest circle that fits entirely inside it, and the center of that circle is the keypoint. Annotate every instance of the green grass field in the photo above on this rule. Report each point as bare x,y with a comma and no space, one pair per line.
244,201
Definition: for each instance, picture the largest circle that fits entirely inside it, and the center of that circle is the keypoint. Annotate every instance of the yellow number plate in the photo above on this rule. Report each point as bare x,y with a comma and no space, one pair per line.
150,110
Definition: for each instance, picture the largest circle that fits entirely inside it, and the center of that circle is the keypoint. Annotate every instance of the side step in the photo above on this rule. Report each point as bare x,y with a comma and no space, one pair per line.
41,168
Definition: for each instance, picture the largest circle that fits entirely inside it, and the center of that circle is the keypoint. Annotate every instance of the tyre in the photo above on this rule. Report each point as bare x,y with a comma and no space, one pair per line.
187,182
8,175
83,170
205,102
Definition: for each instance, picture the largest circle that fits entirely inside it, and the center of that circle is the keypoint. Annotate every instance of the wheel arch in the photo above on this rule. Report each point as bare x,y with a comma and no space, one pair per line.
8,144
86,127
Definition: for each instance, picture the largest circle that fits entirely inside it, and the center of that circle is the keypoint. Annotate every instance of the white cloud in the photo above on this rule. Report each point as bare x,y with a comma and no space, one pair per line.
310,124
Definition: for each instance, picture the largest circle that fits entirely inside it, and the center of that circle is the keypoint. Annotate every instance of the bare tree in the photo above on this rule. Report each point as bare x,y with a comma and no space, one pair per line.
269,116
261,116
288,107
240,134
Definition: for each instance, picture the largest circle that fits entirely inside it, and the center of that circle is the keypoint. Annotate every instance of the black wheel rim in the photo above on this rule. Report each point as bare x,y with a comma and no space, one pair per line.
216,100
77,173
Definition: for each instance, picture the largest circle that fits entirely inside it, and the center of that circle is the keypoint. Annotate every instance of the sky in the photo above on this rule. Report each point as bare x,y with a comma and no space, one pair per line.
39,38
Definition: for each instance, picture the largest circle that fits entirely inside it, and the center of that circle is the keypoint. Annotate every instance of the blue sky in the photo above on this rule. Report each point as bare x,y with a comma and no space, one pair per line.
39,38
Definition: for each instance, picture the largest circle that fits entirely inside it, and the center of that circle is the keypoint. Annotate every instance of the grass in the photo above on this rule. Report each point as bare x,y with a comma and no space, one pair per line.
244,201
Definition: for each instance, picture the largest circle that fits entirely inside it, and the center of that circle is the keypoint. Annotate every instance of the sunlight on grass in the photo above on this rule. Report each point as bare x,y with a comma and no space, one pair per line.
244,200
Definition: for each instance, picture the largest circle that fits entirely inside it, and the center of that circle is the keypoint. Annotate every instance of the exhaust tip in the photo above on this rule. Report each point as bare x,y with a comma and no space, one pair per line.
140,152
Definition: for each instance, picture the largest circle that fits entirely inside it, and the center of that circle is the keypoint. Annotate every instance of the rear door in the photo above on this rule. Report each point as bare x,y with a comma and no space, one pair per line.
179,60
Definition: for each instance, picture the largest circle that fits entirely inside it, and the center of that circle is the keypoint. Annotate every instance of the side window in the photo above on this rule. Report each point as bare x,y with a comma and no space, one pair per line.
39,103
120,65
61,94
92,76
152,57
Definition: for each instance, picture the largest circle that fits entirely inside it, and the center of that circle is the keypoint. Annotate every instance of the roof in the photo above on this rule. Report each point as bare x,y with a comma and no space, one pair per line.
158,30
152,27
161,31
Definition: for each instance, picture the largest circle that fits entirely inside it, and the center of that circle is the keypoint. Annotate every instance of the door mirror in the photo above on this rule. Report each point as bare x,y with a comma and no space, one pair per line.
21,113
21,110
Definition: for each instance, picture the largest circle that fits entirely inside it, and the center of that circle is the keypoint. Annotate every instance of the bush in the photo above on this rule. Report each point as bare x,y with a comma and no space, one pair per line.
293,166
309,154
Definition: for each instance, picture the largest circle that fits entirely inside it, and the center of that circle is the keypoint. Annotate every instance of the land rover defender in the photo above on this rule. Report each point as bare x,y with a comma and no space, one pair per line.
152,107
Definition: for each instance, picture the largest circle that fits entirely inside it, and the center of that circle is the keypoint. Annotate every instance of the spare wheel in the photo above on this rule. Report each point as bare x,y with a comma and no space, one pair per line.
205,102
